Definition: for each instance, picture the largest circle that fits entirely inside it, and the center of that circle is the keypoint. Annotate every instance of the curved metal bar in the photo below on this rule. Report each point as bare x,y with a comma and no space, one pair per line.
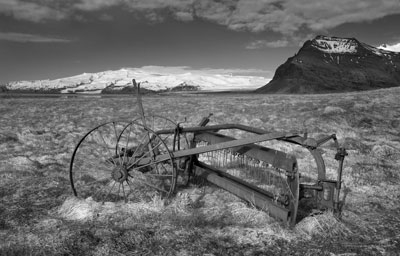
74,153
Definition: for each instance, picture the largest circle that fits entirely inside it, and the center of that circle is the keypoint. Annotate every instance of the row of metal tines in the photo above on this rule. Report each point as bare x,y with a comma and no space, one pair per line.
251,170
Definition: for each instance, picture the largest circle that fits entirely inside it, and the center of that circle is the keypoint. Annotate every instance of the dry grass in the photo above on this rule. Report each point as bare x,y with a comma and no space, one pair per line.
38,216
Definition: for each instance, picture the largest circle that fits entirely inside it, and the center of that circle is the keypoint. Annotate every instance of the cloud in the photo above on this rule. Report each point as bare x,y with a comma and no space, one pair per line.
259,44
287,17
94,5
30,38
321,15
204,71
184,16
393,48
30,11
106,17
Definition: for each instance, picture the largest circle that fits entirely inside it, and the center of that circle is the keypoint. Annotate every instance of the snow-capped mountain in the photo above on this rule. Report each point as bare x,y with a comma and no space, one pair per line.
334,45
333,64
150,79
392,48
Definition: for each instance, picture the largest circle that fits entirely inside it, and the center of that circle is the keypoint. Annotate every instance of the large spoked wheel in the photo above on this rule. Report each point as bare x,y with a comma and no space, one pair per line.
174,142
159,123
120,161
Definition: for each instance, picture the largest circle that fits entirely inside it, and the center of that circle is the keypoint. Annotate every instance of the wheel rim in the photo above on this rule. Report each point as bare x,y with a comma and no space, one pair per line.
156,123
103,164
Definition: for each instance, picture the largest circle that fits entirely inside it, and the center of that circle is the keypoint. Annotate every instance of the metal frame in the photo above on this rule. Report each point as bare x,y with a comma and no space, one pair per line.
326,193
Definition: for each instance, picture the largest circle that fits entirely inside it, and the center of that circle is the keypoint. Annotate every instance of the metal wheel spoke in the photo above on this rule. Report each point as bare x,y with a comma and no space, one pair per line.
82,172
105,146
127,142
136,150
95,166
149,164
109,192
97,181
146,153
151,185
123,191
131,165
160,176
166,138
119,188
165,169
129,184
96,149
103,188
116,139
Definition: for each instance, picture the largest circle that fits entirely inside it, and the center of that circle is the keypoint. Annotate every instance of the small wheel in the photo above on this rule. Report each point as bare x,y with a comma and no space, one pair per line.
117,161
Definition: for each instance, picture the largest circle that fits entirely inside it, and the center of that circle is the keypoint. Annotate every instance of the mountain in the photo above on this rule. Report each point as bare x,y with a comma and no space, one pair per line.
333,64
393,48
120,81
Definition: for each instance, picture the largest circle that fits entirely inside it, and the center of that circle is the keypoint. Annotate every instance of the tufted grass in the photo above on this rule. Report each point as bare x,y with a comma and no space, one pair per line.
39,216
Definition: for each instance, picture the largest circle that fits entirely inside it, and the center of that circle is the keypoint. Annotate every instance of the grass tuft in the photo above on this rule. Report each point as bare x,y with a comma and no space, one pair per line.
38,216
77,209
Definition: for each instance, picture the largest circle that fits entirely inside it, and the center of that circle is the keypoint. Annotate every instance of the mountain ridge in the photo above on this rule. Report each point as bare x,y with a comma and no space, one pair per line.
334,64
120,81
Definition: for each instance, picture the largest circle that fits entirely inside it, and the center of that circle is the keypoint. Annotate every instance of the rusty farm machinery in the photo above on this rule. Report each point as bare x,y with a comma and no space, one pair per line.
134,160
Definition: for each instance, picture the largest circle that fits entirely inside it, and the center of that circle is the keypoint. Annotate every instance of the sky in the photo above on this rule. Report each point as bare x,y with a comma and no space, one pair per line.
49,39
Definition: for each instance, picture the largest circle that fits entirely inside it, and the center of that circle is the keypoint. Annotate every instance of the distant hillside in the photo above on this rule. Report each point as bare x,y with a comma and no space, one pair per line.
3,88
332,64
120,81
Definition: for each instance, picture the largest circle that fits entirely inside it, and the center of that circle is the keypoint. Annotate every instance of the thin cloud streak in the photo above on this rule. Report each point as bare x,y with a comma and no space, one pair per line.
30,38
260,44
203,71
94,5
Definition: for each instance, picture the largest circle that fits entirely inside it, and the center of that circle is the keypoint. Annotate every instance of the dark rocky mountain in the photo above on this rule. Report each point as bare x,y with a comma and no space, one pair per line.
332,64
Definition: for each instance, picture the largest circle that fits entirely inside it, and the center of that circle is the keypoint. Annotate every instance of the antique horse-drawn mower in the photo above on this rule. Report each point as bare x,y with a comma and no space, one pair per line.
134,160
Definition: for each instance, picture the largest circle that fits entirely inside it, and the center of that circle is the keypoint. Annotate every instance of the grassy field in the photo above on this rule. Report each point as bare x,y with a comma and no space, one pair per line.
39,215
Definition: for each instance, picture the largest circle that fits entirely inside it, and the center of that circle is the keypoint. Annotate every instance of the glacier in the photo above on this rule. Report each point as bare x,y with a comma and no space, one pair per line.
150,79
